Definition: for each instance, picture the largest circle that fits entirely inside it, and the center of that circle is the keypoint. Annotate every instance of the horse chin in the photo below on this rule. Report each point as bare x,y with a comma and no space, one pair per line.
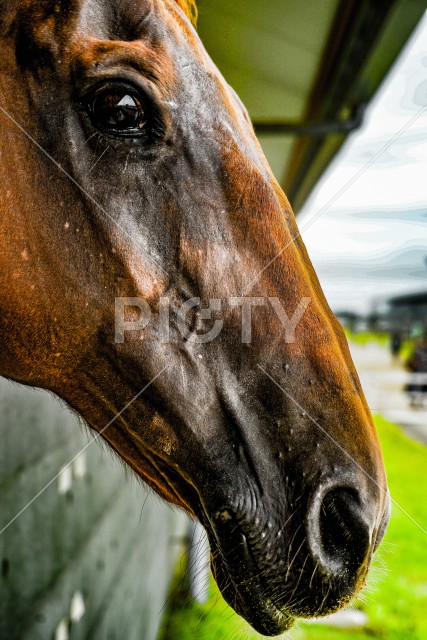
242,588
260,612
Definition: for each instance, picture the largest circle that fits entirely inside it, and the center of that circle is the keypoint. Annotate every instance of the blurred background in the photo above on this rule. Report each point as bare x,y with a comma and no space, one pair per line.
337,90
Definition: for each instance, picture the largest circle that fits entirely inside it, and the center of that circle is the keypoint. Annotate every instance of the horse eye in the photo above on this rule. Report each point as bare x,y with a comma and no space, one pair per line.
118,112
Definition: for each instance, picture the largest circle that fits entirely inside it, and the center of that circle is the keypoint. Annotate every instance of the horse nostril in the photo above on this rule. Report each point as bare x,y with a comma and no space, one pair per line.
339,533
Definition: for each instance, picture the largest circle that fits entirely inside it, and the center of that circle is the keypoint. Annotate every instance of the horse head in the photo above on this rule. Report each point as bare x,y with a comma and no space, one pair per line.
153,277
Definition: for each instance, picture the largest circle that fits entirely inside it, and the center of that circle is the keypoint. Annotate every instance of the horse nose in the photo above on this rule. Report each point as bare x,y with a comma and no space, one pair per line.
339,531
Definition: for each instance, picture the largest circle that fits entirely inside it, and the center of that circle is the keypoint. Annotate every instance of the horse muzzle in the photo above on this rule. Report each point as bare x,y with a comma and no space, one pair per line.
306,563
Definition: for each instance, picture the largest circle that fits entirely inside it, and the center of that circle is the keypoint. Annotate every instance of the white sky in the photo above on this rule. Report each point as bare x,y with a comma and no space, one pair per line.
365,225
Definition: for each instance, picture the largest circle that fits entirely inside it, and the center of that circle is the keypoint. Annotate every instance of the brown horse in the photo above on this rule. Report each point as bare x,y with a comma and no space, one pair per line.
130,170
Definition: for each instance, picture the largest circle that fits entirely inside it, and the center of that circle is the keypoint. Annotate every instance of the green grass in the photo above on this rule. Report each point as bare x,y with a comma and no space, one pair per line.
364,337
383,339
396,598
406,350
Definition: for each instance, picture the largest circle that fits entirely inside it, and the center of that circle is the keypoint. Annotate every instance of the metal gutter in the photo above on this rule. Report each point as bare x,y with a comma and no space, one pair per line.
313,129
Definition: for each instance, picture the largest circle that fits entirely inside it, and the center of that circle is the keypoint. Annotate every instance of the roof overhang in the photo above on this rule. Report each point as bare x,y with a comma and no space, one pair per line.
305,70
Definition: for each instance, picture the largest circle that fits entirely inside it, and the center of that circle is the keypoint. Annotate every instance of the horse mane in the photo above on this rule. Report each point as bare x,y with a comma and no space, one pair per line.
190,9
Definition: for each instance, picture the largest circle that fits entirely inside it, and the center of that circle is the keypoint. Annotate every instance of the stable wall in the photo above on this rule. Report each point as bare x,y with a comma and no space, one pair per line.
92,556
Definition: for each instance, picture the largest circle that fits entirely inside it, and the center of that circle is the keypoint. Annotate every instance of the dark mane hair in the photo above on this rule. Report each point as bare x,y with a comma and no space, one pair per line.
190,9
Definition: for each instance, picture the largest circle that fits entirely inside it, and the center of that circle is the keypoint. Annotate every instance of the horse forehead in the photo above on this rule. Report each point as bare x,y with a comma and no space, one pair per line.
111,19
115,19
65,28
